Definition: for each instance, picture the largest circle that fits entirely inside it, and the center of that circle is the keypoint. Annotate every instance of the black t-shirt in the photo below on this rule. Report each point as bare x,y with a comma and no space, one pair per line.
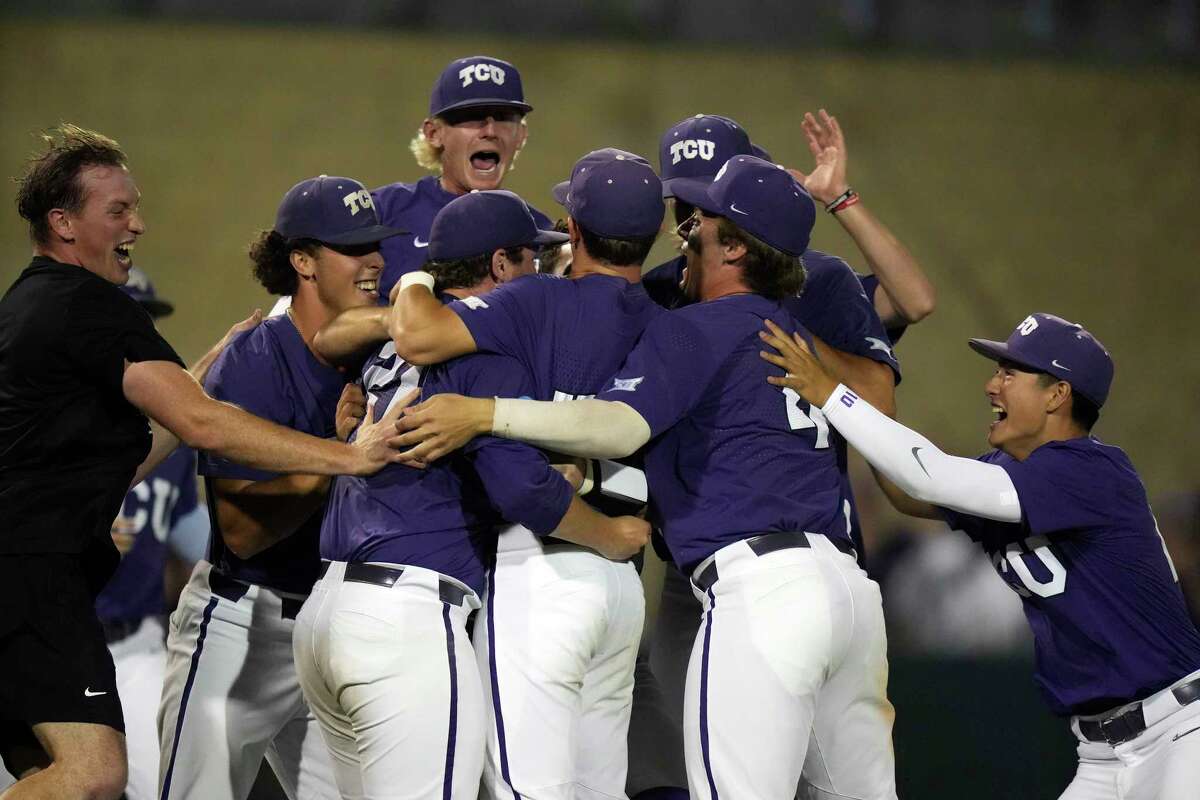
69,440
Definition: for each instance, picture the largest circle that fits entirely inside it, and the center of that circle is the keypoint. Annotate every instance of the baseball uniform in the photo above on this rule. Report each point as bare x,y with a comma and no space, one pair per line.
231,695
381,645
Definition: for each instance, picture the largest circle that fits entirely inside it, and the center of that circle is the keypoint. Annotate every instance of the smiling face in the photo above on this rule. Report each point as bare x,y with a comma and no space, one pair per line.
100,236
477,146
1022,402
346,276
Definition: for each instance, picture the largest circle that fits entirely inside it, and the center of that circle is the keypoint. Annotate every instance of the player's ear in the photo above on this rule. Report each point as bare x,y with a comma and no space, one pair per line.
573,232
60,224
1059,395
432,128
733,250
499,267
304,265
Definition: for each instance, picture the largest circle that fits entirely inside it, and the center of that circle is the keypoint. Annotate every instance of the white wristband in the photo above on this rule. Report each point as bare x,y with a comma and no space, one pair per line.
420,276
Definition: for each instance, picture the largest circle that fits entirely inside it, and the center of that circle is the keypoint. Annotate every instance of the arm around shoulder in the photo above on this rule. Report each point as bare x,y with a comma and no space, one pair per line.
424,329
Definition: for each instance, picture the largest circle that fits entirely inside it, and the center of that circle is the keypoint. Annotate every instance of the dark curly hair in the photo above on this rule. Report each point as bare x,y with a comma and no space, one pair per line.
270,253
463,273
51,178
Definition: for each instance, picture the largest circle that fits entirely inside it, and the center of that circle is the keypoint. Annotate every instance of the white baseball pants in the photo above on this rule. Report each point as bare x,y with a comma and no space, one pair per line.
1161,763
231,697
788,677
141,661
390,674
556,642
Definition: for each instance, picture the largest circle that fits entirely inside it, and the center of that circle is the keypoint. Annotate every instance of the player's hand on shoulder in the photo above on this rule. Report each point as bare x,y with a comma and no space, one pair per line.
351,408
376,443
803,372
441,425
827,180
627,536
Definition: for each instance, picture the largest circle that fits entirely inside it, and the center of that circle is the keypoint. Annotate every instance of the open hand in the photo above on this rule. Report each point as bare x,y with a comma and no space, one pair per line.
376,441
827,181
441,425
804,373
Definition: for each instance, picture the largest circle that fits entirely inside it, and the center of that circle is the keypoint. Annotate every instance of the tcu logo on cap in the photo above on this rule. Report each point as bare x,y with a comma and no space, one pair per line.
356,200
481,72
1027,326
692,148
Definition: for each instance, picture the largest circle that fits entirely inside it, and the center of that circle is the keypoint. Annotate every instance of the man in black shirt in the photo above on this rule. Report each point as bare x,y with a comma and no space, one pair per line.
81,369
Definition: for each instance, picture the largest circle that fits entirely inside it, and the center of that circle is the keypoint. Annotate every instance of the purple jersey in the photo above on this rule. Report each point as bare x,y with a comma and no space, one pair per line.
571,334
1109,621
731,456
444,518
271,373
412,207
870,285
154,507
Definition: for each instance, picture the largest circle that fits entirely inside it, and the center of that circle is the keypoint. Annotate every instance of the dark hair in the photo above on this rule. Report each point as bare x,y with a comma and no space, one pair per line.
616,252
271,255
1084,412
465,273
51,178
550,255
767,271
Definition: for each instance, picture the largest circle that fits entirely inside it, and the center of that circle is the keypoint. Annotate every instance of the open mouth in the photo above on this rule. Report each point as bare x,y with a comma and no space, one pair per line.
124,253
1000,413
485,160
369,286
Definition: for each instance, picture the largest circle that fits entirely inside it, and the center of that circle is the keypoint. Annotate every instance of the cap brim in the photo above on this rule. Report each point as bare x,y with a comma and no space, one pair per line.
475,102
669,185
550,237
696,193
560,192
375,233
998,351
157,308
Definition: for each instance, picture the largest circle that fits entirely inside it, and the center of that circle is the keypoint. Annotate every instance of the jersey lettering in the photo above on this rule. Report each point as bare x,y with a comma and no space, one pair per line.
564,396
798,420
156,502
392,376
1015,570
692,148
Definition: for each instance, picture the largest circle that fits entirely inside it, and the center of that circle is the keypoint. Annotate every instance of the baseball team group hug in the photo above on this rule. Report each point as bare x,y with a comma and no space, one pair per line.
431,474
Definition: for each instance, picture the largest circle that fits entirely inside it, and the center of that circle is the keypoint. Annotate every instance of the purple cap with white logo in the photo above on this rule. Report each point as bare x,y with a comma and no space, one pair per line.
140,288
483,222
692,151
478,81
1050,344
332,210
614,194
761,198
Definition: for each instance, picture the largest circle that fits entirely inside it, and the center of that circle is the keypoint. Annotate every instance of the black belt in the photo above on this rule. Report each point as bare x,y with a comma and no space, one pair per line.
233,590
1130,723
379,575
768,543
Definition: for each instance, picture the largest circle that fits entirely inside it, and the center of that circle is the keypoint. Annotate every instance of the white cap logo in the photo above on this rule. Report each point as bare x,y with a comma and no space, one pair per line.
481,72
356,200
1027,326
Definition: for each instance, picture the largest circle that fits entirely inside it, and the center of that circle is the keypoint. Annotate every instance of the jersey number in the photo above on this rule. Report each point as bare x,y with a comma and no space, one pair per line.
1013,559
798,420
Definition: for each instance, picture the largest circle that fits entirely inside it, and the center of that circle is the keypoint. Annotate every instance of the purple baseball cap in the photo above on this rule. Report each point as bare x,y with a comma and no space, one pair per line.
482,222
1046,343
332,210
141,289
613,194
478,81
759,197
692,151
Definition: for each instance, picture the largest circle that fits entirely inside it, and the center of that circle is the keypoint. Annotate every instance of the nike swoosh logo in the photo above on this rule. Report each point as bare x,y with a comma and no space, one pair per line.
919,464
1054,363
737,210
89,693
1179,736
418,243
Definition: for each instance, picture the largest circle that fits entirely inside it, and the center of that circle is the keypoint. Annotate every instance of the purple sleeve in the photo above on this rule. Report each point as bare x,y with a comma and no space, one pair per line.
1062,488
666,374
246,375
509,319
521,484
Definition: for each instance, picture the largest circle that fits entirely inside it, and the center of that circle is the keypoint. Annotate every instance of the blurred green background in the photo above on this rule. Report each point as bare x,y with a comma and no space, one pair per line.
1020,185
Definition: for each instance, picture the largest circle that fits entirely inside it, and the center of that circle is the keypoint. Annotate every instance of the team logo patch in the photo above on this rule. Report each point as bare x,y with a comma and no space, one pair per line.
627,384
474,303
878,344
358,200
482,73
1028,326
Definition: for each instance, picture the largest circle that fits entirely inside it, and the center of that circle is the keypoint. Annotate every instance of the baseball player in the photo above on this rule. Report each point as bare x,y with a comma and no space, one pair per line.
231,695
381,645
792,648
1066,522
562,622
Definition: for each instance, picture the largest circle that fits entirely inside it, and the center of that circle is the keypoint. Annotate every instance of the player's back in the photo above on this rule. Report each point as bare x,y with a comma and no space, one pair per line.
571,334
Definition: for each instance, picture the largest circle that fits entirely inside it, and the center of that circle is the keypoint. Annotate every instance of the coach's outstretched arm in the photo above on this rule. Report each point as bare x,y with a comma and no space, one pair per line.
169,395
908,295
424,329
904,456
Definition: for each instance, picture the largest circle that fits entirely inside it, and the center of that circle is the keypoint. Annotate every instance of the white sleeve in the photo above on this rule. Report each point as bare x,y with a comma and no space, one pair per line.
588,428
918,467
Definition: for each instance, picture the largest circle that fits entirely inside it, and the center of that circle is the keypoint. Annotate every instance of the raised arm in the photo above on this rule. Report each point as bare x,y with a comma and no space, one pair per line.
424,329
352,334
918,467
907,294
